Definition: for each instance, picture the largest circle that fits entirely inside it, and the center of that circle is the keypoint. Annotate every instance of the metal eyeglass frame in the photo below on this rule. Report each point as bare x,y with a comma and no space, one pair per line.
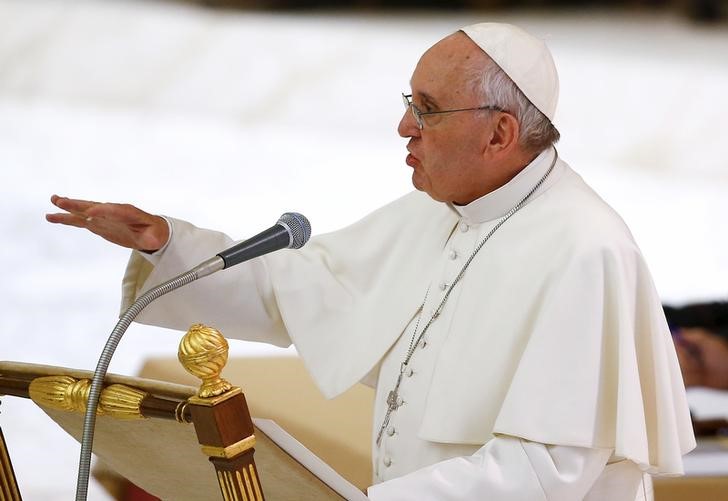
408,104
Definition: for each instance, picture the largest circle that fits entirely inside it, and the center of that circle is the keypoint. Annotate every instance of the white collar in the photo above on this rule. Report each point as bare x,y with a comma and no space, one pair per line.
497,203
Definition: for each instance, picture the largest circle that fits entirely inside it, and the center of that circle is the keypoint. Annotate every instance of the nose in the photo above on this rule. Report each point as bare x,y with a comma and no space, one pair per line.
408,125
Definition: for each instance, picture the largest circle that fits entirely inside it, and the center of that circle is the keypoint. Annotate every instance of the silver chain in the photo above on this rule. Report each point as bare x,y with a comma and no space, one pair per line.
415,341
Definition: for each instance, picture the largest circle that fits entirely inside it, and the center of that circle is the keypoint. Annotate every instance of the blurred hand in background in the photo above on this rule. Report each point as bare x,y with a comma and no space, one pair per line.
703,357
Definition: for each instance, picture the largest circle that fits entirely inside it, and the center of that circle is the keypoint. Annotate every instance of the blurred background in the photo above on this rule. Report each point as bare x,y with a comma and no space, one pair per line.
228,113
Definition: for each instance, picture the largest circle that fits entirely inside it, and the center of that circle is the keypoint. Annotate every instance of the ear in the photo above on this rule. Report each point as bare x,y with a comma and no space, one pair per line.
504,138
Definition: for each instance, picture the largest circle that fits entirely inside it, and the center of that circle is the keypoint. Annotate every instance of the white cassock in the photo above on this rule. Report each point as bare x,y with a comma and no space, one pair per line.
549,374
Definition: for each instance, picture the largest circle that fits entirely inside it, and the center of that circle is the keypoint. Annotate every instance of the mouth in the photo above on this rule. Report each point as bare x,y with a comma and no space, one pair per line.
412,160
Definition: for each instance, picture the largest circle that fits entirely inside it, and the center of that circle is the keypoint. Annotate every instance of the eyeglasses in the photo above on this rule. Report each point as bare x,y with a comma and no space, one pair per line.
407,99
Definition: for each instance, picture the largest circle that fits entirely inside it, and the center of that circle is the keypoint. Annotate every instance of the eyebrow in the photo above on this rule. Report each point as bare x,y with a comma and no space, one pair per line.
426,97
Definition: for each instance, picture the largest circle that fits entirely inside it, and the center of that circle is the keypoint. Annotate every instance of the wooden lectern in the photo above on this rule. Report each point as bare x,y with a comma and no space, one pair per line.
143,430
8,486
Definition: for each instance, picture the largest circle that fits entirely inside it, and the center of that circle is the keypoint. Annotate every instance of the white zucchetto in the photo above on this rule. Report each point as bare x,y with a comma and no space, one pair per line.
524,58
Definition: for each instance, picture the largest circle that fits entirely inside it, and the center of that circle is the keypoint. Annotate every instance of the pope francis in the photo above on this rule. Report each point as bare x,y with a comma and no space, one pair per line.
503,312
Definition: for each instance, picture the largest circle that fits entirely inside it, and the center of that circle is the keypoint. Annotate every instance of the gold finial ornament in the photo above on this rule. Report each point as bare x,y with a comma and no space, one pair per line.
61,392
203,352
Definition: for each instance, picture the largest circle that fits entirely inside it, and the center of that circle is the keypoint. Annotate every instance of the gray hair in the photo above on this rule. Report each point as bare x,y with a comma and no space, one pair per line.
536,131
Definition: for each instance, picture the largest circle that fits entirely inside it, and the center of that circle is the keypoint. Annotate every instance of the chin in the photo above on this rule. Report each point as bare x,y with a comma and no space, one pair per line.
415,182
429,192
425,187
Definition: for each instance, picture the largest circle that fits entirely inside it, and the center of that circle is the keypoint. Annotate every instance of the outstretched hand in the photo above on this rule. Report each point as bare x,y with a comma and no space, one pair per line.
122,224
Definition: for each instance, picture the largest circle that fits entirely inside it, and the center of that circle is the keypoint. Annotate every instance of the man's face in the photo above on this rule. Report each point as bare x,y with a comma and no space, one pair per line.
447,154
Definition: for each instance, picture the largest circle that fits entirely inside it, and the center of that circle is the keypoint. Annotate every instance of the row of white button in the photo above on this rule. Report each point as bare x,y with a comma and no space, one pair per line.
464,227
391,430
453,255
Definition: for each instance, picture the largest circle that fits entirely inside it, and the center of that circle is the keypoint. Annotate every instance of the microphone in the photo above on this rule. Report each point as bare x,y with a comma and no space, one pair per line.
291,231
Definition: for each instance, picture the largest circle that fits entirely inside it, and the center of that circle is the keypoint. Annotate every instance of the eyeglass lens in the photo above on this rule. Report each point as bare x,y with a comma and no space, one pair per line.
415,111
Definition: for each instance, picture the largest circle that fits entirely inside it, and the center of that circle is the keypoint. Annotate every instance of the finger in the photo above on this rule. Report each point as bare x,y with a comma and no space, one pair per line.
69,219
71,204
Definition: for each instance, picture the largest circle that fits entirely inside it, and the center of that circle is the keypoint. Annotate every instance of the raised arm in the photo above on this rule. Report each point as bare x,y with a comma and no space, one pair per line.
121,224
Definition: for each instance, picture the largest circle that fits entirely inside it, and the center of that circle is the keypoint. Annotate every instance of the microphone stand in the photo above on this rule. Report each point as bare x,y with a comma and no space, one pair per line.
208,267
291,231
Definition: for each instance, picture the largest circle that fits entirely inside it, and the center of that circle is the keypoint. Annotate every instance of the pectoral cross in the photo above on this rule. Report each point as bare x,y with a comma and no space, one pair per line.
393,403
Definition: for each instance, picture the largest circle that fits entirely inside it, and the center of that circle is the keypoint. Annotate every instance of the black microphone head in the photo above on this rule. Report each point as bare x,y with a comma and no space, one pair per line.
298,227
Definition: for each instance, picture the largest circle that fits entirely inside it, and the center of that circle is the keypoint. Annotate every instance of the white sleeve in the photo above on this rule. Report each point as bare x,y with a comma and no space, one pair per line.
506,469
240,302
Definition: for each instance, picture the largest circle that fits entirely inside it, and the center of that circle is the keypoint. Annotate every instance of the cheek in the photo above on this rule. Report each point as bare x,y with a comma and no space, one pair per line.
442,157
448,165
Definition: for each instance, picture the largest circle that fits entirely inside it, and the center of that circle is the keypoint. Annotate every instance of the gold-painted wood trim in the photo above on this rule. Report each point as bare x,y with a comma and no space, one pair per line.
238,487
213,401
246,494
256,486
61,392
8,486
179,412
239,483
69,394
230,451
122,402
223,486
247,482
231,483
